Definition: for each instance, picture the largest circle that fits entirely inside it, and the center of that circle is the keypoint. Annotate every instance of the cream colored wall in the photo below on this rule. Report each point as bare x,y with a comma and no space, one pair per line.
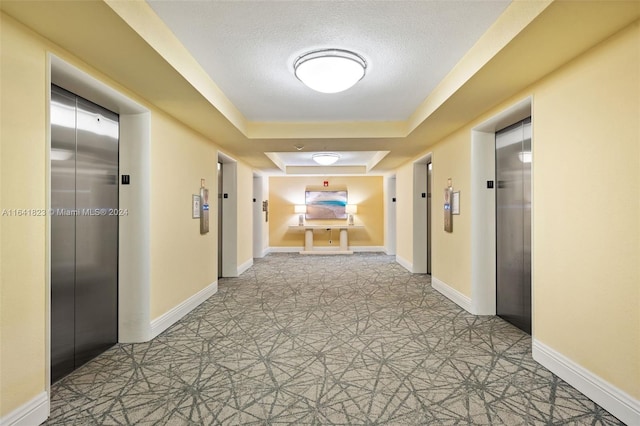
586,273
586,211
183,261
451,251
404,214
365,191
245,213
23,272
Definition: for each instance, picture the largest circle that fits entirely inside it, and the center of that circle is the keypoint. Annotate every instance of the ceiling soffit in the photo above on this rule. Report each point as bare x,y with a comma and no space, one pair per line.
248,48
144,63
300,161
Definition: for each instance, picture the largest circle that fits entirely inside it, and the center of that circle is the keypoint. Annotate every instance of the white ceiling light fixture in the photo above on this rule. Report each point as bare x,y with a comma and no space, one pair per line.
325,158
330,70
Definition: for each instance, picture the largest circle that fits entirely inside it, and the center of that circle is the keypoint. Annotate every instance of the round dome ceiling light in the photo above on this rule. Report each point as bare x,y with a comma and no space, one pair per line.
330,70
325,158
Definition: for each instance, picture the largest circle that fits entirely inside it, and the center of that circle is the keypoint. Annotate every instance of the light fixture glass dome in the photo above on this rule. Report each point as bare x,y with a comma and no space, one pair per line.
330,70
325,158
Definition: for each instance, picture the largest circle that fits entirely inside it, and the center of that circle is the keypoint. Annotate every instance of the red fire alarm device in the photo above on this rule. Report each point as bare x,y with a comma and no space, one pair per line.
326,183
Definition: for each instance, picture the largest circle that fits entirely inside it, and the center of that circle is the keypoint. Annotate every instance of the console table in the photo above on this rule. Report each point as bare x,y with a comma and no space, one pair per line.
308,237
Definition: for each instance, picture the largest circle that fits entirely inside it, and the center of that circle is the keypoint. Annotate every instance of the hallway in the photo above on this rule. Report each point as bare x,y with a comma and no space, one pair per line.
324,340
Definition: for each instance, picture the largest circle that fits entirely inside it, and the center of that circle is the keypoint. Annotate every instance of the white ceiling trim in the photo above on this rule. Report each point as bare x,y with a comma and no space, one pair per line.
545,40
350,162
326,170
377,157
319,130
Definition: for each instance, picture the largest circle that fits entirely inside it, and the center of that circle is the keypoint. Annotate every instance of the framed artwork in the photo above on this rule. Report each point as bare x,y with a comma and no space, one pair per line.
326,204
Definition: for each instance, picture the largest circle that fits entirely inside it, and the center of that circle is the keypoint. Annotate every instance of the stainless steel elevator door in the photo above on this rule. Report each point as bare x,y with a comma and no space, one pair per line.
429,181
220,230
513,224
84,231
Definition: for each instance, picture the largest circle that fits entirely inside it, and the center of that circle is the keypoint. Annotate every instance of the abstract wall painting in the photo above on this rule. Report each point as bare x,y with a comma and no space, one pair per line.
326,204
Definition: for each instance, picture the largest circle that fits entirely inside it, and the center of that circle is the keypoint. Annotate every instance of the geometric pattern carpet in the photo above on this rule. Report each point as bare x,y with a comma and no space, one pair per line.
324,340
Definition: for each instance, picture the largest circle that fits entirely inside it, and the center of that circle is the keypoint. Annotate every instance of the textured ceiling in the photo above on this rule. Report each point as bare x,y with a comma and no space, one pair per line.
525,43
248,48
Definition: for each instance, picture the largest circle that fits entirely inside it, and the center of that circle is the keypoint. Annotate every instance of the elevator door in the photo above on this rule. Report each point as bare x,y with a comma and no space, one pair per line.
220,230
429,178
84,231
513,224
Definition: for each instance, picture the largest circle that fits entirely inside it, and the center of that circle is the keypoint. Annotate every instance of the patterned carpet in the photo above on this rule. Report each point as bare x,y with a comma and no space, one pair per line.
307,340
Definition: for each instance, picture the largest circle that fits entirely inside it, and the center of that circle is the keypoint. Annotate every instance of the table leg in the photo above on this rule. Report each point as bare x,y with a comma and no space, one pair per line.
308,239
344,244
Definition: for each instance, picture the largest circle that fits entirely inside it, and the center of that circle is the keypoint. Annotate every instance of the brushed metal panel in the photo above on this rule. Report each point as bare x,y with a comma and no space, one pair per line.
63,158
96,231
526,223
513,225
429,198
220,230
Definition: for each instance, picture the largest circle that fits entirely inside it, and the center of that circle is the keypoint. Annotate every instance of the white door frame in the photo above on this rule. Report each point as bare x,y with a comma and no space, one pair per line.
483,206
229,215
390,214
420,236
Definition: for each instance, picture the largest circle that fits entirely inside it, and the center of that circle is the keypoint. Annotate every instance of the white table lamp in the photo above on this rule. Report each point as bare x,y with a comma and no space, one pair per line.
301,209
351,209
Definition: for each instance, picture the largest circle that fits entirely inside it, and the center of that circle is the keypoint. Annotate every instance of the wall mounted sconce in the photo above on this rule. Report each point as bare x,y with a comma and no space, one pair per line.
300,209
351,209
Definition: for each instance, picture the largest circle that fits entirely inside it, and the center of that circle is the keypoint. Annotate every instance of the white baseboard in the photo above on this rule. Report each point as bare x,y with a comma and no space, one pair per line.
262,253
603,393
321,249
172,316
404,263
355,249
31,413
367,249
246,265
286,249
325,252
452,294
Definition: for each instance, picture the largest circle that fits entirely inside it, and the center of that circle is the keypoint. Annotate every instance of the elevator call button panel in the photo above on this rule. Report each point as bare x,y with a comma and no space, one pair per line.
204,210
448,219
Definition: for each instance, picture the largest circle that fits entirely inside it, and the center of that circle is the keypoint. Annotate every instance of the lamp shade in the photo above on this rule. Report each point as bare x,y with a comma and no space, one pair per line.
330,70
351,208
300,208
